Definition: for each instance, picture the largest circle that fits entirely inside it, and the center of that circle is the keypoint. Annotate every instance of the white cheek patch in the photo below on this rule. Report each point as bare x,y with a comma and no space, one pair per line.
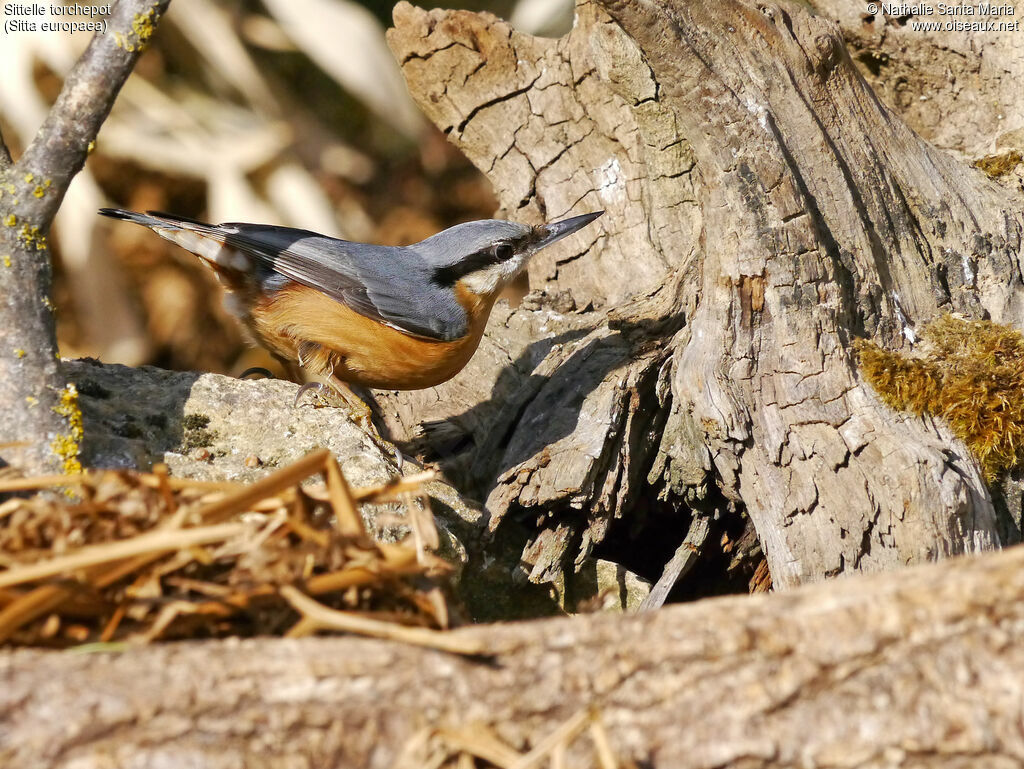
207,248
482,282
494,278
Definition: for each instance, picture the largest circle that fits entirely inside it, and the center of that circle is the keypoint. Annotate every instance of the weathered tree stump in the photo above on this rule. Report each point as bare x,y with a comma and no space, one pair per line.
764,209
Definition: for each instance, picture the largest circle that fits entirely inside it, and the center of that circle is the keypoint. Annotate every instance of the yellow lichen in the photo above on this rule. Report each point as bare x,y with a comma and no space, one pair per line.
19,353
67,446
6,258
29,178
39,191
88,150
31,400
10,220
32,238
143,27
970,374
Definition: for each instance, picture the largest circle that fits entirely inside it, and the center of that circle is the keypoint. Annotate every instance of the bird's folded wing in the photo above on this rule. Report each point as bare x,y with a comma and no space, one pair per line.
392,286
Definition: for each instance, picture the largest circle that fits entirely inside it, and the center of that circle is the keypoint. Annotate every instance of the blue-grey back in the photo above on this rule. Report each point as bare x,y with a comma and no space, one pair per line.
392,284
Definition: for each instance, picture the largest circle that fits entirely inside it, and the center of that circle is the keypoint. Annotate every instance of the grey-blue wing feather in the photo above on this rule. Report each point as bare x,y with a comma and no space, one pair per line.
392,285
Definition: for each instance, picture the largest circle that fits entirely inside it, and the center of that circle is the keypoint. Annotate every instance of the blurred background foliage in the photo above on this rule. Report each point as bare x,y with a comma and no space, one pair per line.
280,111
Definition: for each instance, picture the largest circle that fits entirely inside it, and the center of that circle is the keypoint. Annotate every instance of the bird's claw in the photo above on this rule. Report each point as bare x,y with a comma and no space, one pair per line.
318,386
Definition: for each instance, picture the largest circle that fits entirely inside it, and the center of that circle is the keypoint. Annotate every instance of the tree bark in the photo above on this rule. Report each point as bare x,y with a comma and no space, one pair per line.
764,208
919,669
41,428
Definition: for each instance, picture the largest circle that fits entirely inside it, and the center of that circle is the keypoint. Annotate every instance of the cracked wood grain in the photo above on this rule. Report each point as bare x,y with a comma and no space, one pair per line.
764,208
916,669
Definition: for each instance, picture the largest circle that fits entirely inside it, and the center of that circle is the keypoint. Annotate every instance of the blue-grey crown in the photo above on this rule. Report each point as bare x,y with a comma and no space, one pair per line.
454,244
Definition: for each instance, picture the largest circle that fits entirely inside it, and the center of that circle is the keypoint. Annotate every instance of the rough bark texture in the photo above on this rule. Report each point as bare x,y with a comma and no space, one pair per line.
764,208
917,669
41,431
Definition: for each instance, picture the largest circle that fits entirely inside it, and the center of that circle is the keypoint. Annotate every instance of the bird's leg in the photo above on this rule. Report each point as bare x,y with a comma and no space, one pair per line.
364,417
358,410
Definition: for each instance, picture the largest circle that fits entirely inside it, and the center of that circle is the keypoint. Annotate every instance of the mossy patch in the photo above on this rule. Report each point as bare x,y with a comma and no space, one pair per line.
93,389
195,421
196,436
999,165
970,374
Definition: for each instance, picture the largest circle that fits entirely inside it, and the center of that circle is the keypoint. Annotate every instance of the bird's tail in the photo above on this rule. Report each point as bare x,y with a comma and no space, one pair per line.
207,241
153,218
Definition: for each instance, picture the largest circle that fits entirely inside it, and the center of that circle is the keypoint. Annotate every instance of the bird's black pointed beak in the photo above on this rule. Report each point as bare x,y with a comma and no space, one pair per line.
546,234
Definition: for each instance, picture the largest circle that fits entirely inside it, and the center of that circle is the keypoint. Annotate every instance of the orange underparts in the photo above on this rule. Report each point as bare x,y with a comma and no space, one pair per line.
337,341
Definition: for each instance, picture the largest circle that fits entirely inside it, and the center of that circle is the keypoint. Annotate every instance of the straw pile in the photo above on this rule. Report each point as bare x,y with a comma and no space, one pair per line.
136,557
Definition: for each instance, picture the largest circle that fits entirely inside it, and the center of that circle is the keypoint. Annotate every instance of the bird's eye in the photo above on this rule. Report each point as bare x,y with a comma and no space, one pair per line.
503,252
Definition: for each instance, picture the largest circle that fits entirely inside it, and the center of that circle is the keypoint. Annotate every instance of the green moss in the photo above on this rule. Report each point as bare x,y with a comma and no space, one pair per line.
196,435
971,375
143,27
195,421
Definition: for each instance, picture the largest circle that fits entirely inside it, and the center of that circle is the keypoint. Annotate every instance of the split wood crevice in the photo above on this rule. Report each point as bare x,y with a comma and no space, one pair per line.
763,210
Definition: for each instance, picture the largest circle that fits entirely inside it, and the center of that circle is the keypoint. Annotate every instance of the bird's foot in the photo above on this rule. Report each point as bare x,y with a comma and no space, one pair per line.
358,411
319,387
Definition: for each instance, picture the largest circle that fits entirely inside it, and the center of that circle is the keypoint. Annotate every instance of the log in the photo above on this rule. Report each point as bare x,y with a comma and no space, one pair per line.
920,668
691,353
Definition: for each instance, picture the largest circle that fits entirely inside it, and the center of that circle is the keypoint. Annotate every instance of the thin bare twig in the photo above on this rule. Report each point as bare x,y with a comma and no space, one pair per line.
319,615
59,149
685,557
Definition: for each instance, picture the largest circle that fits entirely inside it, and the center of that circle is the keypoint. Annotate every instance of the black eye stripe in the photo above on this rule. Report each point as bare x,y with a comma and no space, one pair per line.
448,276
452,274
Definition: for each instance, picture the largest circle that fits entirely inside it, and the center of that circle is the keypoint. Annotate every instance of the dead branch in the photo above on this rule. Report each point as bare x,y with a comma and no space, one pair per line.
40,410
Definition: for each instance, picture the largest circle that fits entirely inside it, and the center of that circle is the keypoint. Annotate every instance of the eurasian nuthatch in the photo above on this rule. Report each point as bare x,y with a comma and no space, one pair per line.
396,318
